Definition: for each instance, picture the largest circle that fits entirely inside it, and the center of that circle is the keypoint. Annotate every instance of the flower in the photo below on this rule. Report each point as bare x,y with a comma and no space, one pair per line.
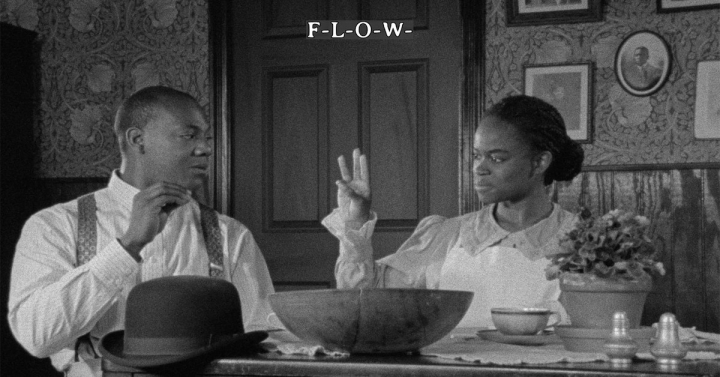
84,123
162,12
100,78
83,14
614,245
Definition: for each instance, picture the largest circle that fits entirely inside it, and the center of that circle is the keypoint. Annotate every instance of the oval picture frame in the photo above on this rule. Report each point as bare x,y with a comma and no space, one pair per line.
642,63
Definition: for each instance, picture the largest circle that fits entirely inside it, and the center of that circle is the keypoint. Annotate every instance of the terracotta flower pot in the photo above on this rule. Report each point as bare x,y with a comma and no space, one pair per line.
591,301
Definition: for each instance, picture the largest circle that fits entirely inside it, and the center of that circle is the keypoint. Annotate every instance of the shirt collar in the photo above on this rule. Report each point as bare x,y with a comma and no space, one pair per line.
539,240
122,191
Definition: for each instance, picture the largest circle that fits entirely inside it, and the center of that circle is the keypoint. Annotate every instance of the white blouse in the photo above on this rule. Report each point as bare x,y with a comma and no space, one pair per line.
469,252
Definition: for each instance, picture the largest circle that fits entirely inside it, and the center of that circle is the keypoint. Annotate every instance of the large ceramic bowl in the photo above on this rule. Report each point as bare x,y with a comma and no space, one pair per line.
379,320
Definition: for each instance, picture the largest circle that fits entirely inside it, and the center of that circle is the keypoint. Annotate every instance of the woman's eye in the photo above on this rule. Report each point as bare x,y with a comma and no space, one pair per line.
496,159
188,136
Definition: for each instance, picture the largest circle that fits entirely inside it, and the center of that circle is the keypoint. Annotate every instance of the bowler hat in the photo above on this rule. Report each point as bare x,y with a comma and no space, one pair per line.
176,318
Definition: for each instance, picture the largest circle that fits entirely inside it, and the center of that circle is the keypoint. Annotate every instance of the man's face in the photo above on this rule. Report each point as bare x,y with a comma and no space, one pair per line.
640,56
178,145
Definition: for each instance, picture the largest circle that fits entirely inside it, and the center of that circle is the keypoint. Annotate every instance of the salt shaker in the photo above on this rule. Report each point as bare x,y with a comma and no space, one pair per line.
620,346
668,350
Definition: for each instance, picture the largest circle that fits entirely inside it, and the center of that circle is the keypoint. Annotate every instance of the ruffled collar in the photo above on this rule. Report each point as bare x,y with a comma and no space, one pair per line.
539,240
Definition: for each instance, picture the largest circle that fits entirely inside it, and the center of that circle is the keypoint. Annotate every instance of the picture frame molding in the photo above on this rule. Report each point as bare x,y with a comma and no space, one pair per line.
664,75
701,5
513,16
586,68
700,105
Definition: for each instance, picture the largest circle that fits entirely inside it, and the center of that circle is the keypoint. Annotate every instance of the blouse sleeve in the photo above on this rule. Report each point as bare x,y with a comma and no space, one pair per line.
356,268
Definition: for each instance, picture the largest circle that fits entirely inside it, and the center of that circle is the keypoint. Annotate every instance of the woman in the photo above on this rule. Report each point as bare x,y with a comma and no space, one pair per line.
499,252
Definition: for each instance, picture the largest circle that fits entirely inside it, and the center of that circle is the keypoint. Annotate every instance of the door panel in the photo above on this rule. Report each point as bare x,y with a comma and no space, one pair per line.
295,128
394,127
299,103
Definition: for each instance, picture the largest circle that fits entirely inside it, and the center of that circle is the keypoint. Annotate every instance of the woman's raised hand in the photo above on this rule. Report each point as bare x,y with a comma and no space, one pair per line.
354,191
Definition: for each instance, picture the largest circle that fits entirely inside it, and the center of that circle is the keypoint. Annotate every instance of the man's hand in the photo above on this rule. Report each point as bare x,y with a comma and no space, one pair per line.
150,211
354,191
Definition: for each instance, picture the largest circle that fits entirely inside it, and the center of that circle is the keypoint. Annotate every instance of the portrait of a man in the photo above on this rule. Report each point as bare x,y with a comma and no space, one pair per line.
642,63
640,73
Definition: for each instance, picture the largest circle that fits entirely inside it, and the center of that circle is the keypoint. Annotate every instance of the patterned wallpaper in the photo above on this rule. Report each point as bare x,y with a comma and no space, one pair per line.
628,130
95,53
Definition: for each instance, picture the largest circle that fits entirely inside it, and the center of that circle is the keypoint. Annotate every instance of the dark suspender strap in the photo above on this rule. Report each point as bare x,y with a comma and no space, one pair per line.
213,240
86,249
87,229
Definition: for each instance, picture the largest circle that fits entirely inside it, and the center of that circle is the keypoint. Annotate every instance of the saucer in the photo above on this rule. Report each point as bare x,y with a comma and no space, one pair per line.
545,337
592,340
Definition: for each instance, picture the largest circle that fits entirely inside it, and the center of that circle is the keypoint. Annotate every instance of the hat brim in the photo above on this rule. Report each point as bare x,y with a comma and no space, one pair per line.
112,345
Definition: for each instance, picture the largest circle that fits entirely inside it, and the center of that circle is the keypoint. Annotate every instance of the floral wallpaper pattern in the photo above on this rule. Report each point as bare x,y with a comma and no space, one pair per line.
95,53
627,130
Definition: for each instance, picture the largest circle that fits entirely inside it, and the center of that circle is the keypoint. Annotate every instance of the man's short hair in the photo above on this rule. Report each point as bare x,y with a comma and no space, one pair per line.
643,49
141,107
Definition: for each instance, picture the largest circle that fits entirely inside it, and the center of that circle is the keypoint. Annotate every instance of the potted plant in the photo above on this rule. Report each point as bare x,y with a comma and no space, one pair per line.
605,265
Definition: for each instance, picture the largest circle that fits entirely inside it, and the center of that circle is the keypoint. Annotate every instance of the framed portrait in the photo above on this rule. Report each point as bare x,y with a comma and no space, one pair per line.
569,89
707,100
669,6
544,12
642,63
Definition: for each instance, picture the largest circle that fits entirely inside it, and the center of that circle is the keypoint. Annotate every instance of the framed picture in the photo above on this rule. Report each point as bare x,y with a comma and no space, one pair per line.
642,63
544,12
707,100
669,6
568,88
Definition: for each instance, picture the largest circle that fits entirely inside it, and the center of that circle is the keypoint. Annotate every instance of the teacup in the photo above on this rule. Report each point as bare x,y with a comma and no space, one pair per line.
522,321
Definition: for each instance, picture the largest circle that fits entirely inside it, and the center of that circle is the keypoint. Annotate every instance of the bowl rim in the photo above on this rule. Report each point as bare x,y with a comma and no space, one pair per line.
521,310
367,290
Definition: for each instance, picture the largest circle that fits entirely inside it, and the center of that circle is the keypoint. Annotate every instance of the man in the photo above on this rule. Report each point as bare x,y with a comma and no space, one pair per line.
642,75
146,225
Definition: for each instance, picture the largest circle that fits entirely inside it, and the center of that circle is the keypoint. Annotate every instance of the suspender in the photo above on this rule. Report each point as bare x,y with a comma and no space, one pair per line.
87,229
87,234
87,248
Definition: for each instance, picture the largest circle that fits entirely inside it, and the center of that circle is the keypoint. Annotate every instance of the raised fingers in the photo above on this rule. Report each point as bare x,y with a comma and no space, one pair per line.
344,172
364,172
356,164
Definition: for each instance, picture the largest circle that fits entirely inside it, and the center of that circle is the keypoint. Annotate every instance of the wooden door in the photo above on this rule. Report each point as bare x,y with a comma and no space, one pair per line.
298,103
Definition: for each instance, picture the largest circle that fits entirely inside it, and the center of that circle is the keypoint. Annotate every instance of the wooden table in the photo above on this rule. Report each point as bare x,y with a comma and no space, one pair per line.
274,364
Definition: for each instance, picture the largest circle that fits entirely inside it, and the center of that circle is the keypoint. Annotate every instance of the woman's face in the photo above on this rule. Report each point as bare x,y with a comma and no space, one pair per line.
503,167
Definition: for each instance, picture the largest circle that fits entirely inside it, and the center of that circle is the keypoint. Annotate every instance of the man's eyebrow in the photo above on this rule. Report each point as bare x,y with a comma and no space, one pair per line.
194,127
497,150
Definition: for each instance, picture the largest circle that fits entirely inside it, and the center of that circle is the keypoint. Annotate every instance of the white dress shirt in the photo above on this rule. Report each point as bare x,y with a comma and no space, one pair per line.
52,302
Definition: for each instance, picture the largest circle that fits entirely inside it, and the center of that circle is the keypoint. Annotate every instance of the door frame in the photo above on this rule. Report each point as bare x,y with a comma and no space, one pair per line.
472,14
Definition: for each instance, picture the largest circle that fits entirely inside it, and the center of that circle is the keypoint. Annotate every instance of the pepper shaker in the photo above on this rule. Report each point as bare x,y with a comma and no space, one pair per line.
620,346
668,350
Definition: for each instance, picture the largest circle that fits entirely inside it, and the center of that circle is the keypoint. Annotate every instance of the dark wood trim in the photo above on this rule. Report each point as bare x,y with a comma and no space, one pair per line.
651,167
473,91
220,99
73,179
513,17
